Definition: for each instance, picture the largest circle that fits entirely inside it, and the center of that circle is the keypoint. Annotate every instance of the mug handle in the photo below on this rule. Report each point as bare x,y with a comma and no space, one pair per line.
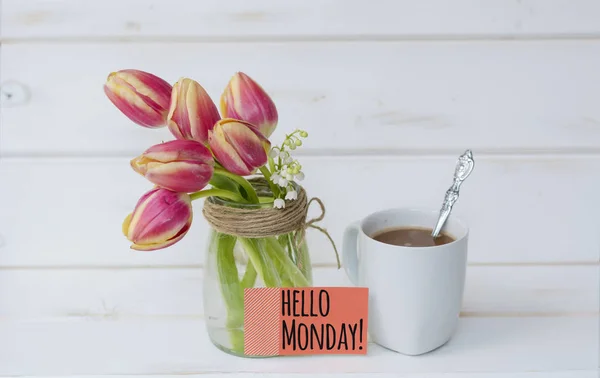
350,251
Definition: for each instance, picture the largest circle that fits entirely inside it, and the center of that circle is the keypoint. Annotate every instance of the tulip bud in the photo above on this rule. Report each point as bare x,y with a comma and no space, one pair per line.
238,146
178,165
245,100
192,113
144,98
161,218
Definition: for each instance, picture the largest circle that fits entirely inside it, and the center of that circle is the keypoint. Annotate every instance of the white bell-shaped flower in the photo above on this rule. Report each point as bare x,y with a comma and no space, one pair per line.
291,195
279,203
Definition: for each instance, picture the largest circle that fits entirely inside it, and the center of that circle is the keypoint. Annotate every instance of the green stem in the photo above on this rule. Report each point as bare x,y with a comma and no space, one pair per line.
271,164
289,270
286,280
240,180
232,291
292,248
216,193
263,265
249,276
303,260
267,175
236,336
284,244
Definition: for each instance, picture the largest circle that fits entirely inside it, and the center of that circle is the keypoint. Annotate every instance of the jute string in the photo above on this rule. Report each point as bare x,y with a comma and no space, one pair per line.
261,222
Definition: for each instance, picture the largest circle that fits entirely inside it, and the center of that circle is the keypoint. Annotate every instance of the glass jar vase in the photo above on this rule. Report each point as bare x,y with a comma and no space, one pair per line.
234,263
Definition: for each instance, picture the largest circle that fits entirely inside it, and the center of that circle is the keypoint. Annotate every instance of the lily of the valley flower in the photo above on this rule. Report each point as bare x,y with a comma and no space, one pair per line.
282,182
238,146
279,203
178,165
287,174
161,218
291,195
275,178
274,153
192,113
141,96
245,100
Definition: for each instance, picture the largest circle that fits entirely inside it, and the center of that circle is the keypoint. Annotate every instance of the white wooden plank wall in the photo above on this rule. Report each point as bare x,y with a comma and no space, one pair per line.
391,92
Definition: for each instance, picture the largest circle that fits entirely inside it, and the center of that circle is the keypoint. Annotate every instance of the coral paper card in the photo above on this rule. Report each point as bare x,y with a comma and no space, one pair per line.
311,320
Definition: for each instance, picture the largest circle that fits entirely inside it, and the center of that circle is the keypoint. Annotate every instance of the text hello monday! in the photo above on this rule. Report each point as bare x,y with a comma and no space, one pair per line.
307,324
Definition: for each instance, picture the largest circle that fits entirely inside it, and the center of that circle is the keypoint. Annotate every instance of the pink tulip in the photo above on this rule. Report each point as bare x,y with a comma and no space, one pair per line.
238,146
245,100
141,96
192,113
178,165
161,218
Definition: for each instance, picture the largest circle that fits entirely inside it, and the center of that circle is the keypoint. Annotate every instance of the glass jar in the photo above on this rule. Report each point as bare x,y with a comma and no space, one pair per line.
234,263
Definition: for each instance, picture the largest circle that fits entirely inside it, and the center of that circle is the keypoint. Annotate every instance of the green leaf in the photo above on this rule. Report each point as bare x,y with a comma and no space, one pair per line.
222,182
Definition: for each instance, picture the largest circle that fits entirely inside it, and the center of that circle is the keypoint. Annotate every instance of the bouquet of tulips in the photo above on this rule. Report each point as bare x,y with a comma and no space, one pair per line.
210,157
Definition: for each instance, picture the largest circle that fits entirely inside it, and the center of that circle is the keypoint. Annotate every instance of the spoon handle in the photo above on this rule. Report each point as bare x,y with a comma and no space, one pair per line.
463,169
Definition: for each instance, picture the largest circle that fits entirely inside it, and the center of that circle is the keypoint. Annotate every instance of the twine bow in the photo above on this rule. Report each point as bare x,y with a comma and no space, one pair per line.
259,222
311,224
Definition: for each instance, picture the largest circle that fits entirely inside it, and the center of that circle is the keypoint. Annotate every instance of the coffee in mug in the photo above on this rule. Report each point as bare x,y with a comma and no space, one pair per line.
412,237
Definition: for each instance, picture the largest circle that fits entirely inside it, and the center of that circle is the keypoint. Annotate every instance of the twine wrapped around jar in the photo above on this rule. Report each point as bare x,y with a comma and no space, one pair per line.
263,222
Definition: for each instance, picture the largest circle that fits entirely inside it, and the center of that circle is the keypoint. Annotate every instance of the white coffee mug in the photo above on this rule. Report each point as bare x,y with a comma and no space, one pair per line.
415,293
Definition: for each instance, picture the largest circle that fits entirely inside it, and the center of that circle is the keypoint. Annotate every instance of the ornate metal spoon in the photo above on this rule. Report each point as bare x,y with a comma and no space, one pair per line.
463,169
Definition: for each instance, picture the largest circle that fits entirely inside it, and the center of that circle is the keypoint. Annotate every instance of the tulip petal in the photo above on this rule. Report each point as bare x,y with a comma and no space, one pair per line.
158,101
138,211
180,150
139,164
177,116
252,99
178,165
125,225
248,142
180,176
246,100
165,225
132,106
156,246
161,218
195,107
226,154
192,112
142,97
160,214
149,85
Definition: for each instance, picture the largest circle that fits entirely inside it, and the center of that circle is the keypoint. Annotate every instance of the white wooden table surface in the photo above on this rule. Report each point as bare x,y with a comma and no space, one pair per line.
391,92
